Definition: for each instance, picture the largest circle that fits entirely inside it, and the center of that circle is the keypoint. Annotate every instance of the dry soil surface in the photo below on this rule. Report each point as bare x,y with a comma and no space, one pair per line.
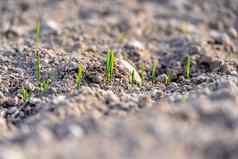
179,118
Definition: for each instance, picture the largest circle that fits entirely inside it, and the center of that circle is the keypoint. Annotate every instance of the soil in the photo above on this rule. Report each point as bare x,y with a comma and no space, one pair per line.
181,118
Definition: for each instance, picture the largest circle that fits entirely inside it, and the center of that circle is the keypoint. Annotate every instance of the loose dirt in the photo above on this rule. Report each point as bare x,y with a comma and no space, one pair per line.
192,118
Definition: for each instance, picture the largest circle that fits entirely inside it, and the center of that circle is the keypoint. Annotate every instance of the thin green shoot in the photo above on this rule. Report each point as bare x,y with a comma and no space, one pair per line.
110,64
142,73
37,54
188,67
153,71
168,78
37,67
38,33
44,86
132,76
79,75
25,94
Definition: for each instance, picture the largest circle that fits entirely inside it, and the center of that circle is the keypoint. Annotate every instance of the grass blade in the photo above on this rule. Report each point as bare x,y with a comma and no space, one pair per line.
44,86
79,75
153,71
132,76
25,94
37,54
110,62
188,67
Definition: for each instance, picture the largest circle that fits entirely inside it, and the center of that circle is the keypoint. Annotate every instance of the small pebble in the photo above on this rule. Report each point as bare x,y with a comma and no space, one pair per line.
233,33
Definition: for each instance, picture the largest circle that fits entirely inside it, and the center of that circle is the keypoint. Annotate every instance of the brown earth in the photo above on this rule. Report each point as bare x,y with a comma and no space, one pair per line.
192,118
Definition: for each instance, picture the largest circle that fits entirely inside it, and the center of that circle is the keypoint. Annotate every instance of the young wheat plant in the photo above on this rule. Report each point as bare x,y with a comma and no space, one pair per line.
168,78
132,76
79,75
25,94
44,86
110,64
37,54
188,67
153,71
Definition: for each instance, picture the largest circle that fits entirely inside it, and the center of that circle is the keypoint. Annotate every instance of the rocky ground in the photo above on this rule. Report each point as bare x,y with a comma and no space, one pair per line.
192,118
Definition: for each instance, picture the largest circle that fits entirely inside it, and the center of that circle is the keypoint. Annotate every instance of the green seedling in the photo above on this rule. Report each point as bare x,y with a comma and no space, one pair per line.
44,86
153,71
37,67
168,78
188,66
142,73
25,94
37,54
38,33
79,75
132,76
110,62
